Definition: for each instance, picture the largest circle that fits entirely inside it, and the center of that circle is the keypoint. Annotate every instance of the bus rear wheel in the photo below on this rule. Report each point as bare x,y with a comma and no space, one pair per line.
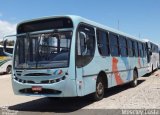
134,83
152,69
98,95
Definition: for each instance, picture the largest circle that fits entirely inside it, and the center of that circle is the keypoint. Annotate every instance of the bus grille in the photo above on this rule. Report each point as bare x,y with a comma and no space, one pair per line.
37,74
44,91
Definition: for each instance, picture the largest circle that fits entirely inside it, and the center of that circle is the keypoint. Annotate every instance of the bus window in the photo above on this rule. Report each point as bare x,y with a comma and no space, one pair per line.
157,49
113,44
135,48
123,46
140,49
144,50
85,45
103,43
43,50
130,48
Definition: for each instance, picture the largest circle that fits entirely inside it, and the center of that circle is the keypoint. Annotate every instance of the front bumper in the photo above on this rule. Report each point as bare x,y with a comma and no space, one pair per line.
63,88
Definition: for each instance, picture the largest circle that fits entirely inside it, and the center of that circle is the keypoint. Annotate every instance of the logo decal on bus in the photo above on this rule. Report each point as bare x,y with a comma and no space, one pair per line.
58,72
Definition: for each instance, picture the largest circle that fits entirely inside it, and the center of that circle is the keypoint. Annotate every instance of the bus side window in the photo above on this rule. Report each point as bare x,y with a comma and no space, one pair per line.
85,45
103,43
135,48
157,49
144,50
123,46
130,48
113,43
140,49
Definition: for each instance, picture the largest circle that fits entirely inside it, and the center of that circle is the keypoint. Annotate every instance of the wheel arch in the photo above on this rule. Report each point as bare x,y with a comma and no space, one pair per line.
136,69
103,75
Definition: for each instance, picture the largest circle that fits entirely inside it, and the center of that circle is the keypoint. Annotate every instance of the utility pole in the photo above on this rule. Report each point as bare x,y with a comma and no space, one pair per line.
118,24
139,35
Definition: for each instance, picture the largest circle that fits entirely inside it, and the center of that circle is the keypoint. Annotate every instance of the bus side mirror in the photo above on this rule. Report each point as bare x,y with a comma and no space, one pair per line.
8,45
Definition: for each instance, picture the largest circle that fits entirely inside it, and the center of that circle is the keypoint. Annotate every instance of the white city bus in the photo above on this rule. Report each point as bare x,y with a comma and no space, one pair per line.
5,61
152,56
69,56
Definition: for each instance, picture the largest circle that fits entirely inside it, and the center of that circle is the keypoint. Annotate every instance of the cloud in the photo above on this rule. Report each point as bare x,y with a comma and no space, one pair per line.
6,28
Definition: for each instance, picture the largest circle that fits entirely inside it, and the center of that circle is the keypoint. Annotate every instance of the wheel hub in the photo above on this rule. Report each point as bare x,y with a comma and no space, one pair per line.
100,88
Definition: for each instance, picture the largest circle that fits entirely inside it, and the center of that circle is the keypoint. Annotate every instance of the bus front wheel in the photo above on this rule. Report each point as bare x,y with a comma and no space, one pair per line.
98,95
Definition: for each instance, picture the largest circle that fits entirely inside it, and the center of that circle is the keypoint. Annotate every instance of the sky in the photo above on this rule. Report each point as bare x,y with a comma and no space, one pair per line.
140,18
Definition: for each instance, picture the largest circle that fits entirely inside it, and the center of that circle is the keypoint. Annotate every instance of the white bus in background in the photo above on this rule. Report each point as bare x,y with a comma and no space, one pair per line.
153,57
5,61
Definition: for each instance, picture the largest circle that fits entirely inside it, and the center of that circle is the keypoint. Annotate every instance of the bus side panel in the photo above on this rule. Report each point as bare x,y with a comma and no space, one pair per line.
67,87
142,70
90,74
121,71
125,68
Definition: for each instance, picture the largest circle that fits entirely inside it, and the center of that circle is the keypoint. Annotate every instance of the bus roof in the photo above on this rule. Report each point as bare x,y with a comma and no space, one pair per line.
147,40
78,19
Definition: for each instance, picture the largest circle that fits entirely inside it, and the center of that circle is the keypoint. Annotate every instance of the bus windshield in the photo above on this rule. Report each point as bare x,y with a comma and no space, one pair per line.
43,50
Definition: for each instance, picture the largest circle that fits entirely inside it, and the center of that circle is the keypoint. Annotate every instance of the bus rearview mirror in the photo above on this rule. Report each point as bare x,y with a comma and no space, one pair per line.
8,45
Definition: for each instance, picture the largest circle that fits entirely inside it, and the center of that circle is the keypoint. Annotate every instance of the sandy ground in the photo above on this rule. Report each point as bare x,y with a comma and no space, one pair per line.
7,96
145,96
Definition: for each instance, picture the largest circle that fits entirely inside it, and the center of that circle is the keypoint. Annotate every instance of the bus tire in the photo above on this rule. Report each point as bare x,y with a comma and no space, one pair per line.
157,67
9,69
98,95
152,69
134,83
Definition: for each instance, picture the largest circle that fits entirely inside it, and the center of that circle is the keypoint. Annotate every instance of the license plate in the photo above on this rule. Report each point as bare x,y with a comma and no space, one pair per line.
36,88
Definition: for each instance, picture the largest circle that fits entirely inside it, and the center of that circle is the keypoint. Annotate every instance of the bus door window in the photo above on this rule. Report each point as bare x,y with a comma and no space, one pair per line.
85,45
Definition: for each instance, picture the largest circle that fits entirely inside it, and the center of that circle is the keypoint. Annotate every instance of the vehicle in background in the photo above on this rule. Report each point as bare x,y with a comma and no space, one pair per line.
153,57
5,61
68,56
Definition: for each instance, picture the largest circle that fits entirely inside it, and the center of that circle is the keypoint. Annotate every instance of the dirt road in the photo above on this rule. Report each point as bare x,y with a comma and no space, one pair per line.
7,97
